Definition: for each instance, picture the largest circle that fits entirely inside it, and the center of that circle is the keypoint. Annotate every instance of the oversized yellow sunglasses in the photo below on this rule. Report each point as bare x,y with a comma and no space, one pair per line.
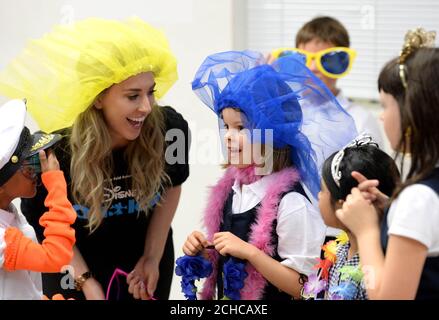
335,62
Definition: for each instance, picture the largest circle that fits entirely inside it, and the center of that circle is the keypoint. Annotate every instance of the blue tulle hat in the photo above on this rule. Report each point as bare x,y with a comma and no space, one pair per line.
285,97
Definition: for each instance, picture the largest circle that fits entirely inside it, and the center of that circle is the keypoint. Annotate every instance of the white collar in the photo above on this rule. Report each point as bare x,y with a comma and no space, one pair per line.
7,217
258,188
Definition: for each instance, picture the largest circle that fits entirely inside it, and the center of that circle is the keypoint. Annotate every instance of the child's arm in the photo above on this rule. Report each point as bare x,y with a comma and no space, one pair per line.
282,277
22,253
395,276
301,233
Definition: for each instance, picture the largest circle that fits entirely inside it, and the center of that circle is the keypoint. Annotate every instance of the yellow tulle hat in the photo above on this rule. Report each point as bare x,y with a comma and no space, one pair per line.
62,73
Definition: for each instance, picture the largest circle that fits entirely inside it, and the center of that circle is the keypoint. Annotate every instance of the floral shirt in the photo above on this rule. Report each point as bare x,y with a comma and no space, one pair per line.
337,278
335,274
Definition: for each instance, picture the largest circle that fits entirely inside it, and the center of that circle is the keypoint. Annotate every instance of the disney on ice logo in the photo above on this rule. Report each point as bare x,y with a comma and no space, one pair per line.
117,193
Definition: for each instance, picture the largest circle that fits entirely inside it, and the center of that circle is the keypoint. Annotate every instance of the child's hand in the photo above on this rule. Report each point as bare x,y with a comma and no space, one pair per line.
57,296
370,191
269,59
49,163
226,243
195,243
358,214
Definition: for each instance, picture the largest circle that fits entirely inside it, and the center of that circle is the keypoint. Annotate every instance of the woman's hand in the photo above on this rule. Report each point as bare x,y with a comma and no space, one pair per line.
195,243
48,163
226,243
358,214
142,281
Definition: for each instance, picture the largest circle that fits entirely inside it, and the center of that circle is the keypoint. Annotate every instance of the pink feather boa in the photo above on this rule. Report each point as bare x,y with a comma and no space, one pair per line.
260,234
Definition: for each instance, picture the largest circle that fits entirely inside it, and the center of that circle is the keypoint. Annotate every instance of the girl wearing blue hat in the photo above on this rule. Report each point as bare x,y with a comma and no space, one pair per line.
259,219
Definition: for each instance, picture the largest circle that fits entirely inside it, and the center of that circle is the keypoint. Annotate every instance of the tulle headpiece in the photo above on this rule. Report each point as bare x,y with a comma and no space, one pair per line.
284,97
62,73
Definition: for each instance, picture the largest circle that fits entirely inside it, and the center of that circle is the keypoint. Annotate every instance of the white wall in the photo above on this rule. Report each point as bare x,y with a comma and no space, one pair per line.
195,28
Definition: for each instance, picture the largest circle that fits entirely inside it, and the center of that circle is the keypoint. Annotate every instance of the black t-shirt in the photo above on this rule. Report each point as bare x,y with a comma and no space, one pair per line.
119,240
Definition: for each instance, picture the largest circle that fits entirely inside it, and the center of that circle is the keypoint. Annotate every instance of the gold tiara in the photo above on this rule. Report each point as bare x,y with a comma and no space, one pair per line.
413,40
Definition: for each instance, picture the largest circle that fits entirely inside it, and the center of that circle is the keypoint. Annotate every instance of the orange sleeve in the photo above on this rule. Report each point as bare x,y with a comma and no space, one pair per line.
21,253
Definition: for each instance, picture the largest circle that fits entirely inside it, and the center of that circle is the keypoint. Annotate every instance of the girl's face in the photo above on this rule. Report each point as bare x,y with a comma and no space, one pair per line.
391,118
237,144
327,209
126,105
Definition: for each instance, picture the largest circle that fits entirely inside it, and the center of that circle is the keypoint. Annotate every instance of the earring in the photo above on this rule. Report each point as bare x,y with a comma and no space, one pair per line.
408,132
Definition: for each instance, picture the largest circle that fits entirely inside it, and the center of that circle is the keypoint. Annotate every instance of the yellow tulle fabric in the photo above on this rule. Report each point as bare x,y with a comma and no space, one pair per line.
62,73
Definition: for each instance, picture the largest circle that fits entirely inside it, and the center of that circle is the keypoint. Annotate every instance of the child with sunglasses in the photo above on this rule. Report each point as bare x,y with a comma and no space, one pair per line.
323,44
21,257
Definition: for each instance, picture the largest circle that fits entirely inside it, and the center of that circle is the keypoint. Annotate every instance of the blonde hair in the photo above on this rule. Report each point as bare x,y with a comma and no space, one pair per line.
92,164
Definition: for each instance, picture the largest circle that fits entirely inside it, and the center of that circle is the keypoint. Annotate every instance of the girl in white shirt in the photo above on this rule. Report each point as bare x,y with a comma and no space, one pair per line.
259,218
409,266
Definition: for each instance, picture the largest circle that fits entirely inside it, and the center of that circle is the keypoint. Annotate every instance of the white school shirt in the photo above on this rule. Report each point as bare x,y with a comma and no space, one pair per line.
19,284
415,215
364,120
300,228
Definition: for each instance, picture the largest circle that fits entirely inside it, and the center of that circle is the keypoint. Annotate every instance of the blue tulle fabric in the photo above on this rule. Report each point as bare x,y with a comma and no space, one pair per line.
284,97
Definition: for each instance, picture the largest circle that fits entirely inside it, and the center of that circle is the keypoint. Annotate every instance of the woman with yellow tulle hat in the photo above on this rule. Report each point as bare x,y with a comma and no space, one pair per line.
96,82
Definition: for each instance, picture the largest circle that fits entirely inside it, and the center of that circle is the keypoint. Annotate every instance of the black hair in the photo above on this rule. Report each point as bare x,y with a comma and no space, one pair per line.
368,160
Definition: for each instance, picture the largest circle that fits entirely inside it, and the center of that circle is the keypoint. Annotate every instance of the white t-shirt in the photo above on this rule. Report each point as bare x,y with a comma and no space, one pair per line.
415,215
364,120
300,228
19,284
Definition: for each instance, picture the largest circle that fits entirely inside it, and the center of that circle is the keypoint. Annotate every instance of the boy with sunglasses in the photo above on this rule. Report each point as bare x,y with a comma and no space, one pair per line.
22,259
323,45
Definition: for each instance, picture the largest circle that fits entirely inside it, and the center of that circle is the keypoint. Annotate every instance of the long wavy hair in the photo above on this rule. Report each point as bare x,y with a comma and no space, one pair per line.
92,163
419,108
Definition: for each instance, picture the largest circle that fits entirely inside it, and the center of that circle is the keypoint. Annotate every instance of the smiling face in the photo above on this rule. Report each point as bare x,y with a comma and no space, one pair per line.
126,105
238,147
391,118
